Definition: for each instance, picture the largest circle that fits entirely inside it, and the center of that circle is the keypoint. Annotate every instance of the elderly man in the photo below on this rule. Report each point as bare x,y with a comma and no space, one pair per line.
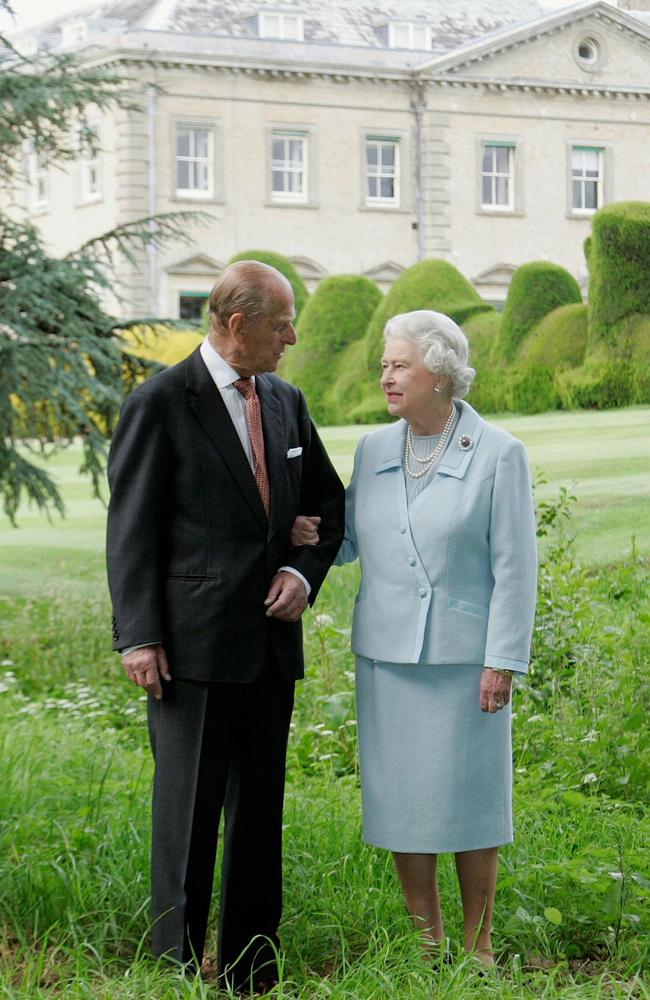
210,463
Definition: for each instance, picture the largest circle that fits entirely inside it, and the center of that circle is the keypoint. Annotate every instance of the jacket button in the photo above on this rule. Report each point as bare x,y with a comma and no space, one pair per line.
422,592
412,560
402,528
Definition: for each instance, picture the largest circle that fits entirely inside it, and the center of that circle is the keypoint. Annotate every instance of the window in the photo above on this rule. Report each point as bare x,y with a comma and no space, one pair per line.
409,35
497,181
194,161
279,25
37,178
190,305
590,53
382,171
586,179
288,167
89,165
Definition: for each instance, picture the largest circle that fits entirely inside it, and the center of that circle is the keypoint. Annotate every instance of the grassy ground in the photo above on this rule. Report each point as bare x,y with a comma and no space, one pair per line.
573,914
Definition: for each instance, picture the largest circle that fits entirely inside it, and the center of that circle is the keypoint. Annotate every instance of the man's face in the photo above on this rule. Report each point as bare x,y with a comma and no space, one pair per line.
265,338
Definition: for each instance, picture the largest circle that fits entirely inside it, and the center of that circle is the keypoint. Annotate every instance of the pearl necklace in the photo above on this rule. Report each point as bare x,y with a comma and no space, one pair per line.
437,451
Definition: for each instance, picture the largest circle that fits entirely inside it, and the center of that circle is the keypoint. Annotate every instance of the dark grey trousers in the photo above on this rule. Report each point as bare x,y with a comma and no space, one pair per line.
219,746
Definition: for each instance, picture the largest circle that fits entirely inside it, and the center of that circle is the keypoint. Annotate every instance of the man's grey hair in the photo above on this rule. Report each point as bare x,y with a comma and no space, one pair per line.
245,286
442,343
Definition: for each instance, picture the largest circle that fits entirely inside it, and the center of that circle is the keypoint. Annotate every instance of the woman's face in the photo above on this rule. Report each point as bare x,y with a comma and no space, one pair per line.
408,385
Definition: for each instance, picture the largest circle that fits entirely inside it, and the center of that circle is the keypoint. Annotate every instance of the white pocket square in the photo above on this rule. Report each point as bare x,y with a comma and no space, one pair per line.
294,452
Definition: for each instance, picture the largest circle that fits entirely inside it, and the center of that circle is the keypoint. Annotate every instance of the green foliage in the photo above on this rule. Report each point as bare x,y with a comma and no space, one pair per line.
601,385
531,389
285,267
482,330
490,391
619,264
335,316
559,341
63,372
161,343
535,290
430,284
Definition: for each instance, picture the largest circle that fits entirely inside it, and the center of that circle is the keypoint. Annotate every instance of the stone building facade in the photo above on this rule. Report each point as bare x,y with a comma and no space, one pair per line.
359,141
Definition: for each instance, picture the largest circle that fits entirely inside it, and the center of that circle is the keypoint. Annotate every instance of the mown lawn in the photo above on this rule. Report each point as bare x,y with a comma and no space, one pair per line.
573,907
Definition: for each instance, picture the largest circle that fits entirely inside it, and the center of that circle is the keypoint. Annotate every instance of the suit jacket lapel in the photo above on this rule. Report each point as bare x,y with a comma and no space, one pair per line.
210,410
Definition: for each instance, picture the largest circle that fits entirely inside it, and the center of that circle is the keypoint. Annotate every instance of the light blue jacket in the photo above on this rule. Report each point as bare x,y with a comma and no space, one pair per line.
453,579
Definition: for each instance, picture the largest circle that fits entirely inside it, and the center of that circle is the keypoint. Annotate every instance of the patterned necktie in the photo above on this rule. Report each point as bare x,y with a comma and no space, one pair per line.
254,420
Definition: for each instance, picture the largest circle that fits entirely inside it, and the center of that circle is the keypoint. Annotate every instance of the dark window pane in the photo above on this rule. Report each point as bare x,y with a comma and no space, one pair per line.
388,155
591,195
371,155
577,195
487,190
503,159
191,306
387,190
487,159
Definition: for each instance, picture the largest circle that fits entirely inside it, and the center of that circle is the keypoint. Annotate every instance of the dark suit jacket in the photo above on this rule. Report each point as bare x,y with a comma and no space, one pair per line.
190,550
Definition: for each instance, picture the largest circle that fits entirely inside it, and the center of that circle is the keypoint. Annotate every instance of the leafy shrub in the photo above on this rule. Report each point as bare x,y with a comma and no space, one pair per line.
335,316
349,391
482,330
531,389
489,392
559,341
162,343
619,263
536,289
601,385
430,284
285,267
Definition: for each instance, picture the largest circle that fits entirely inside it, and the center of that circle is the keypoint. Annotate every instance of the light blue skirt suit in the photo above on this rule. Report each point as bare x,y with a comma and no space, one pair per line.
448,586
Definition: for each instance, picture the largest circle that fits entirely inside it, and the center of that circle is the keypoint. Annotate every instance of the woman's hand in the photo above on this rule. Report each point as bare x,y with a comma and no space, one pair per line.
305,531
495,690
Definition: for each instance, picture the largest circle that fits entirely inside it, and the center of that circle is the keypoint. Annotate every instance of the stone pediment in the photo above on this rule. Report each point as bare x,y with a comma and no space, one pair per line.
308,268
389,271
198,264
500,274
588,46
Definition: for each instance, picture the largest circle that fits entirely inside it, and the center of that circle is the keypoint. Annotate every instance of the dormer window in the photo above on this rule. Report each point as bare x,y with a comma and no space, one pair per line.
405,35
279,24
74,32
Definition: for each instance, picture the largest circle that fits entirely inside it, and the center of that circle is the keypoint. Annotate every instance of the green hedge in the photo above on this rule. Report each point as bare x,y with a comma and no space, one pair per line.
619,263
336,315
535,290
430,284
603,385
482,331
559,341
489,392
285,267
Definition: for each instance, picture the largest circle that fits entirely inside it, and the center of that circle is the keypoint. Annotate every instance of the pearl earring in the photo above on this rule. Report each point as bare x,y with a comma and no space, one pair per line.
437,388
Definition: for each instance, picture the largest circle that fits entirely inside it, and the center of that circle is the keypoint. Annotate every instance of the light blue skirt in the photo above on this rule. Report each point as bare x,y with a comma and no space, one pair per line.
436,772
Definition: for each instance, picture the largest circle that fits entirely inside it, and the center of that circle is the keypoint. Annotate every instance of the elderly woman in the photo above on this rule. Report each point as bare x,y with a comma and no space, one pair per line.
440,515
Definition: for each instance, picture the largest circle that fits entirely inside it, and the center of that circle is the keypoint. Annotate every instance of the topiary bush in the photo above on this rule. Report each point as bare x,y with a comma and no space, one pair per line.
619,265
348,389
430,284
490,391
285,267
531,389
161,343
601,385
535,290
482,330
559,341
336,316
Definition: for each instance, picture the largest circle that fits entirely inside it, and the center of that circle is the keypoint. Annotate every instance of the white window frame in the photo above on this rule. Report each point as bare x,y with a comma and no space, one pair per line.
195,193
89,161
583,180
284,166
283,17
38,178
377,142
494,175
411,26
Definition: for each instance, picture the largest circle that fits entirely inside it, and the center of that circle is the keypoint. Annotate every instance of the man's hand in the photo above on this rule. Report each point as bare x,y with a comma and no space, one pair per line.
305,531
287,597
145,667
494,690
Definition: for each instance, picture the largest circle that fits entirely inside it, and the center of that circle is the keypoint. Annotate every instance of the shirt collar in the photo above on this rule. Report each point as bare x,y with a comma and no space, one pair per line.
220,371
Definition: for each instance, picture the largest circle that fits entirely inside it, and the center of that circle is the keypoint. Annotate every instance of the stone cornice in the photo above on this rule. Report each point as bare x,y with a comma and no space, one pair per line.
534,87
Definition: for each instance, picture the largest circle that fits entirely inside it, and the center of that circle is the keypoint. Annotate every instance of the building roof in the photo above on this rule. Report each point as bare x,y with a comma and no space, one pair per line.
455,23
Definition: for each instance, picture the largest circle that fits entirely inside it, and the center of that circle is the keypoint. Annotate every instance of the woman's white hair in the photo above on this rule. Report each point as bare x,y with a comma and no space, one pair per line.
442,343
